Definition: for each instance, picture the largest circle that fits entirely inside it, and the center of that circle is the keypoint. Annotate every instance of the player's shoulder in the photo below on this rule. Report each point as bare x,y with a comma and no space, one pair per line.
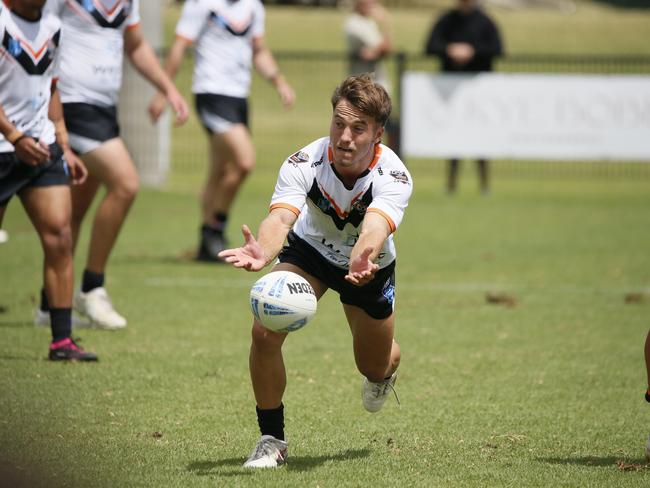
391,169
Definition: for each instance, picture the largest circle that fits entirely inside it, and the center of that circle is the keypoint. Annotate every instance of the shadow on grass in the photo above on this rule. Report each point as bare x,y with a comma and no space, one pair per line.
596,461
233,466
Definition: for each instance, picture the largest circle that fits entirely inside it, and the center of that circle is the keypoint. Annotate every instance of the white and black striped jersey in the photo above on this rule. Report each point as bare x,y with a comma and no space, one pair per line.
27,63
223,31
92,46
329,213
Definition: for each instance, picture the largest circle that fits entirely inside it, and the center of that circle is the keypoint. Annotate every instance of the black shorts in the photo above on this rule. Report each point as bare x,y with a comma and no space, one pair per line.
89,126
16,175
376,298
220,112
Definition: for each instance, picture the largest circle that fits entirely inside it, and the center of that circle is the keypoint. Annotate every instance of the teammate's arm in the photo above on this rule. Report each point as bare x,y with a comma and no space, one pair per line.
172,65
255,254
146,62
267,67
78,171
375,229
28,150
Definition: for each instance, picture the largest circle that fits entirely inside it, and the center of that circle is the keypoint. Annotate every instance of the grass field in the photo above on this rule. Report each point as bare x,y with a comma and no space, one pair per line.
544,393
543,389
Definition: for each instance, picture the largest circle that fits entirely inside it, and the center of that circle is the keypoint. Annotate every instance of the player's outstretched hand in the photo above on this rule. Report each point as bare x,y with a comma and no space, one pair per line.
250,256
362,270
78,171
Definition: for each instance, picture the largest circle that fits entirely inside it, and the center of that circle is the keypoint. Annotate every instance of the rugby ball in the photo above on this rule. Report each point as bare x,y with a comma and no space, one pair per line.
283,301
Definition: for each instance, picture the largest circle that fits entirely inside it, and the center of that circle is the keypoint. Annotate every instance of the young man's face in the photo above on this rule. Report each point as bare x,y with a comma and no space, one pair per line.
353,136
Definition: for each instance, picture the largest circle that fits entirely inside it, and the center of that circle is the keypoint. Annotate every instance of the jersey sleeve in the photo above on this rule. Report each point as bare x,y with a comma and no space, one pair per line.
292,186
192,21
134,15
391,195
259,20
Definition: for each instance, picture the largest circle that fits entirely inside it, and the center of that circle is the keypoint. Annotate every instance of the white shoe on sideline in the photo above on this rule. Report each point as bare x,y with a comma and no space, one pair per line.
42,319
268,453
374,395
97,307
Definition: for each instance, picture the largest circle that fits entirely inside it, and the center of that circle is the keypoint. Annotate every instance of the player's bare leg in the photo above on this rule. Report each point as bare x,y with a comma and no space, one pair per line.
376,354
483,167
232,159
49,208
111,166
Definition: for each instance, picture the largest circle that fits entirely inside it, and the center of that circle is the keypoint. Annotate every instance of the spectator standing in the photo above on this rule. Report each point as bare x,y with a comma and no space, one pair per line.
466,40
96,35
229,37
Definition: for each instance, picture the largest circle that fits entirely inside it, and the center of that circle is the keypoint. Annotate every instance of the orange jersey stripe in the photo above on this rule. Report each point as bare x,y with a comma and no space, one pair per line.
391,224
286,206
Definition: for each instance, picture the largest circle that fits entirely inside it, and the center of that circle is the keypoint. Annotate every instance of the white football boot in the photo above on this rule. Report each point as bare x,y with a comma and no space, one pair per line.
42,319
647,450
97,306
374,395
268,453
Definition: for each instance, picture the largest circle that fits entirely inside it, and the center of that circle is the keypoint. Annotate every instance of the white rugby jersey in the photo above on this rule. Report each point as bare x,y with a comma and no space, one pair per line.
28,53
92,47
223,31
329,214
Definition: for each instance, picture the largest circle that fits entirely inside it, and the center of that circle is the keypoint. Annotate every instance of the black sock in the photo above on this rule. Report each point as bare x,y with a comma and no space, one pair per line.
91,280
61,319
221,219
45,305
271,421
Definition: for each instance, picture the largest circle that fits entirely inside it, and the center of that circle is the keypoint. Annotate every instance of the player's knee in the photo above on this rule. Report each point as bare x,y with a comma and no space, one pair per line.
57,241
127,189
265,340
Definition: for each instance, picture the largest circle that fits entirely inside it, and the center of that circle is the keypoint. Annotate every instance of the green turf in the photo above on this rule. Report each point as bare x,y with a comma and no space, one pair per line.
545,393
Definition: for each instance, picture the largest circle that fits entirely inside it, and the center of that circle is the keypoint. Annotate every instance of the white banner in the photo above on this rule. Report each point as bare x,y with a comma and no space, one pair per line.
526,116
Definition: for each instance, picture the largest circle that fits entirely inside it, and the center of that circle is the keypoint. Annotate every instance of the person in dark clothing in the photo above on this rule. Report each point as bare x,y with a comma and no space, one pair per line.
466,40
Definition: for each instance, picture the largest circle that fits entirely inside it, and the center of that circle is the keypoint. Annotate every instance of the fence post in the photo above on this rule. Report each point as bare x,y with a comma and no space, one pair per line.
148,144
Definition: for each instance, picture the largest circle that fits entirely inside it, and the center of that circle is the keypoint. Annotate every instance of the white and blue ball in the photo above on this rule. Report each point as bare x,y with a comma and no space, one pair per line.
283,301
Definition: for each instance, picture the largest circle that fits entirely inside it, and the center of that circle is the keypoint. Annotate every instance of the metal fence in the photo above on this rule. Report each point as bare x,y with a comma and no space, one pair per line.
277,133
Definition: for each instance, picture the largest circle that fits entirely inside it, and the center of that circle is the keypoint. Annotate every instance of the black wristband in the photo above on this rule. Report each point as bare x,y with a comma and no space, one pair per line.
647,396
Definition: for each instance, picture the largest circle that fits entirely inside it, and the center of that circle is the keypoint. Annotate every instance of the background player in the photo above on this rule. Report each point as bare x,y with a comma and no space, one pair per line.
36,162
95,37
229,38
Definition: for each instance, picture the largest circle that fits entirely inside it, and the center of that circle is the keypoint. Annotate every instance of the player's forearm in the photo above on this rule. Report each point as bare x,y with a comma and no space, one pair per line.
55,114
271,236
374,232
267,67
146,62
9,130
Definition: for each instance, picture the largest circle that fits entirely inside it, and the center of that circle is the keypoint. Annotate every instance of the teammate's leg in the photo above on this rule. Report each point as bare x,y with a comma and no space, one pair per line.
111,166
232,158
49,209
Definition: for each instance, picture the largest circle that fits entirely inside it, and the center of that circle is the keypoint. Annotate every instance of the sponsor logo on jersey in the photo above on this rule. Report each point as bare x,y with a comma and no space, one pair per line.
399,176
299,157
14,47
